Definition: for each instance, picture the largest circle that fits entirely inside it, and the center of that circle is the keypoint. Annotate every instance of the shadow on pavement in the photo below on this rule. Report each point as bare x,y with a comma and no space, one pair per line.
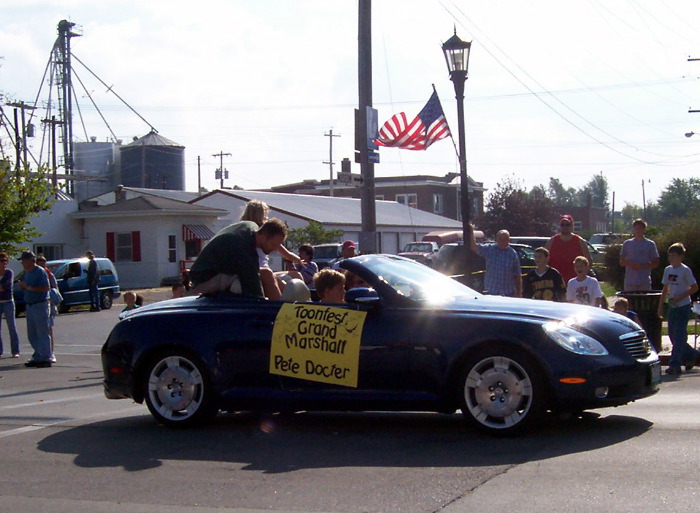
286,443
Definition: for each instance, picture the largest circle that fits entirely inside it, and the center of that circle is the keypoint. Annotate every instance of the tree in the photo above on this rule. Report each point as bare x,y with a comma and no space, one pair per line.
313,234
597,190
23,194
560,195
680,199
512,208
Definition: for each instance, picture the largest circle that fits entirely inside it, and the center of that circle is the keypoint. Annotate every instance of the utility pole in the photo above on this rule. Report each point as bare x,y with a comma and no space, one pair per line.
22,106
368,235
199,175
53,122
220,172
330,135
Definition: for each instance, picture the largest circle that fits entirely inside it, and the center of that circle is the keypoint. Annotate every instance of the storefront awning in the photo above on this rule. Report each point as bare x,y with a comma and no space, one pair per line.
196,232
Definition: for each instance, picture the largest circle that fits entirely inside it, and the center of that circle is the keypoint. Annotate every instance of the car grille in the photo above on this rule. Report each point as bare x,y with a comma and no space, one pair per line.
637,344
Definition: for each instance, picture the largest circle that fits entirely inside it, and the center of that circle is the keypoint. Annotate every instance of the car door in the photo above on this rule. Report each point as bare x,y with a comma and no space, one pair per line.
72,282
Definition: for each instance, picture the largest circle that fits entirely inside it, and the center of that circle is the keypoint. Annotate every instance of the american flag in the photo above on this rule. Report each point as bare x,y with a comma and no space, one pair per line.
429,126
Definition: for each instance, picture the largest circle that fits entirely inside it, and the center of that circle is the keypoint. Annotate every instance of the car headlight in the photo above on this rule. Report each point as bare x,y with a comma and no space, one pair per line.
573,340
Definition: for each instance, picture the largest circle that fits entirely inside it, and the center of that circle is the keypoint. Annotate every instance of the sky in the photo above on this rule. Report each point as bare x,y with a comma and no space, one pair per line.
555,89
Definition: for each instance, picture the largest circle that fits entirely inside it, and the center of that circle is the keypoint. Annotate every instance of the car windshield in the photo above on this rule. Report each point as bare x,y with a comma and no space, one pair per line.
325,251
422,248
416,281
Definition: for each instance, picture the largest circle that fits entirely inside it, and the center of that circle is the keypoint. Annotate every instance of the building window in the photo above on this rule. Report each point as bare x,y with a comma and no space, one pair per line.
172,248
407,199
379,197
192,248
438,206
50,251
123,247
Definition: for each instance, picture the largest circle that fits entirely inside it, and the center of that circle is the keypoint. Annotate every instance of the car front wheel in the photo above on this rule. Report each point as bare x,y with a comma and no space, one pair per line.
178,391
106,300
502,392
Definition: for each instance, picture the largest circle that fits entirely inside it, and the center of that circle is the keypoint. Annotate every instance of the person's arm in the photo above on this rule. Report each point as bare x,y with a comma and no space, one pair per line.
548,246
585,252
472,241
688,293
518,285
288,255
662,301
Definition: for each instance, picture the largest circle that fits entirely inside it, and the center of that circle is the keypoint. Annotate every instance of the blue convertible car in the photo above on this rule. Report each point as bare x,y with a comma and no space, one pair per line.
415,341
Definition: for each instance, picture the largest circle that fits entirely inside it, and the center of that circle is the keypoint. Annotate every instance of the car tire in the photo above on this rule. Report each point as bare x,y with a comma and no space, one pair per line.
177,390
63,307
106,300
502,392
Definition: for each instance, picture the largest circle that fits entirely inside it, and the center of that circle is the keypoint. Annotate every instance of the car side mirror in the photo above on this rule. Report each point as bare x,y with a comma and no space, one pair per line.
363,296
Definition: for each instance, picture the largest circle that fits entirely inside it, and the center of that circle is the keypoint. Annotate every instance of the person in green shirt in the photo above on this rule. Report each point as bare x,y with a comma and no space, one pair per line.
230,260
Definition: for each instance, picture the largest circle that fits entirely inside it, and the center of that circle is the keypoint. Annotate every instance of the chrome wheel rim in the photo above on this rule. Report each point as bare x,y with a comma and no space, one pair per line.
498,392
176,388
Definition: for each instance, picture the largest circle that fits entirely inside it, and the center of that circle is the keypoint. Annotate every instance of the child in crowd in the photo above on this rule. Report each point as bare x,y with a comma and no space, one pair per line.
544,282
307,268
330,286
583,289
679,285
178,290
129,301
622,307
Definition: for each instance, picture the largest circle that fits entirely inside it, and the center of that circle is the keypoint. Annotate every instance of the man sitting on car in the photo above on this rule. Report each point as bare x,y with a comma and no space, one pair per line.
230,260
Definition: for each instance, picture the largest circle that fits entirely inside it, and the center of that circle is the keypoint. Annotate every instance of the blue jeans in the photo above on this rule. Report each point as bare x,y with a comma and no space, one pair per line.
94,296
8,309
38,331
678,333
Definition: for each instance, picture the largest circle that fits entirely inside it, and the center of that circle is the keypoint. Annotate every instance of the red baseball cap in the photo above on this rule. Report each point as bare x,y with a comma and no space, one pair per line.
566,217
348,244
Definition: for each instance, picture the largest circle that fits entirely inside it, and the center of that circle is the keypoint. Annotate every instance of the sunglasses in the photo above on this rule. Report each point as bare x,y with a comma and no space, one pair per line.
3,259
566,225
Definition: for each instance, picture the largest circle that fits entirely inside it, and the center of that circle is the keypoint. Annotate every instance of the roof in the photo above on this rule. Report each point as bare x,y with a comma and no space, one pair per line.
107,198
148,204
153,139
340,211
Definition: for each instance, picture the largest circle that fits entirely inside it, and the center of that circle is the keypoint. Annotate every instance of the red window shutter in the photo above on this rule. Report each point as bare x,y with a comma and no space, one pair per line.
136,246
110,246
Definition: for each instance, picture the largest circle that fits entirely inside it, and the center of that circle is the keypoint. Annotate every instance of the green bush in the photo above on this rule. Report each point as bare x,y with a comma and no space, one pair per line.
686,231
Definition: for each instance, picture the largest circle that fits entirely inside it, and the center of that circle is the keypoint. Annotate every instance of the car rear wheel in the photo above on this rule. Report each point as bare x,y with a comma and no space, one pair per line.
106,300
502,392
178,391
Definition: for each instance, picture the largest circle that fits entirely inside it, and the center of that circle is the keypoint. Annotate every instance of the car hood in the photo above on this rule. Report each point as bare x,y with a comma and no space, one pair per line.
598,321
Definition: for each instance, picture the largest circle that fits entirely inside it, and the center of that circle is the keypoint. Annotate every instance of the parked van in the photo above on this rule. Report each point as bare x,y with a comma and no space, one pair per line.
71,276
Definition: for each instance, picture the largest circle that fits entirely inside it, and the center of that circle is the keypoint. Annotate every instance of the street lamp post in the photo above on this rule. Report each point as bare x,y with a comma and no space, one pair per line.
457,58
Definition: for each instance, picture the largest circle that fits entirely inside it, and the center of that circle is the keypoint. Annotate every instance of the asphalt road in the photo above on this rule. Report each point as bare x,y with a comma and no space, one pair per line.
65,448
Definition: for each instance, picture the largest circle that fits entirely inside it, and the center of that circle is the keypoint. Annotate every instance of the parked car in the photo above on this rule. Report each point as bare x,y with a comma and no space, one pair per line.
451,260
71,276
324,254
601,241
415,341
423,252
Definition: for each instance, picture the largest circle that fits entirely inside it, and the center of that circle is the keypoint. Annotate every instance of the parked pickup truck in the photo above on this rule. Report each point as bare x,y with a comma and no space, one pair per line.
422,252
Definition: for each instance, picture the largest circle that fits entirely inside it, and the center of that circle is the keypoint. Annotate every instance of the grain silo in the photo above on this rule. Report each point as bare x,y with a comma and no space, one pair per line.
95,167
154,162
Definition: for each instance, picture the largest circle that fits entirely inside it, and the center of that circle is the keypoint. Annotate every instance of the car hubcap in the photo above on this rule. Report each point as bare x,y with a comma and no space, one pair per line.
175,387
498,392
